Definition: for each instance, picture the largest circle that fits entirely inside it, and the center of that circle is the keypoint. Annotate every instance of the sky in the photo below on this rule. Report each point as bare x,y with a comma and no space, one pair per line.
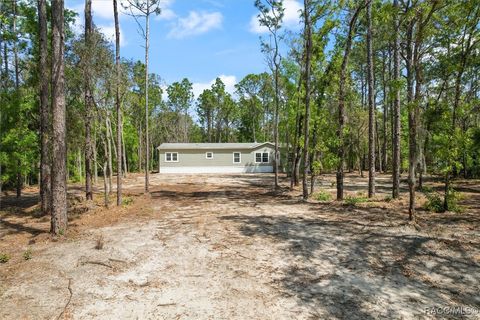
195,39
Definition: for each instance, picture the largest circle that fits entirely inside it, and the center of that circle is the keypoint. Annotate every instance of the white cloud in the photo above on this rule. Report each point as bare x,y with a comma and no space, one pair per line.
229,81
109,32
102,10
291,17
166,14
195,23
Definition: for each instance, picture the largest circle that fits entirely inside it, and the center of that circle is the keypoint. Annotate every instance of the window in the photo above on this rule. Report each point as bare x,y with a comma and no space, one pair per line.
236,157
209,155
171,156
265,157
261,157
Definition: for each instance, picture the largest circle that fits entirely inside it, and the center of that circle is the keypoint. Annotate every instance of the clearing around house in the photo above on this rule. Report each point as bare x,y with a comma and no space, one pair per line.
228,247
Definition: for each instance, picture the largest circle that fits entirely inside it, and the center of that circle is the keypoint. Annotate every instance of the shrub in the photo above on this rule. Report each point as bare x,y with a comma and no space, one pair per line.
4,258
127,201
435,201
27,255
323,196
355,200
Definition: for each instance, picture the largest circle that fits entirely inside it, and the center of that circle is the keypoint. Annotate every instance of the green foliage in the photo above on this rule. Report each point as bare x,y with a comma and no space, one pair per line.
126,201
4,257
435,200
354,200
27,255
322,196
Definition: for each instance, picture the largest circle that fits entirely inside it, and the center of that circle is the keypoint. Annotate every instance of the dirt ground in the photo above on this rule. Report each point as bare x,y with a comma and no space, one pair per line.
229,247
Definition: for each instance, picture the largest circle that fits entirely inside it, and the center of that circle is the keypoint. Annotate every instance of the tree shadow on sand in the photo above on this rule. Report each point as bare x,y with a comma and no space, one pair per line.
348,268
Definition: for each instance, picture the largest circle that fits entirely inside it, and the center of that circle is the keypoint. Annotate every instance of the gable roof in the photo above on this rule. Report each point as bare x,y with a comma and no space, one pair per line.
250,145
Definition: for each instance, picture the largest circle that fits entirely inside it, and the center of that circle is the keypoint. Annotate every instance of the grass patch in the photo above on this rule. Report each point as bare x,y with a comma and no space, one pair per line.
127,201
27,255
4,258
351,200
322,196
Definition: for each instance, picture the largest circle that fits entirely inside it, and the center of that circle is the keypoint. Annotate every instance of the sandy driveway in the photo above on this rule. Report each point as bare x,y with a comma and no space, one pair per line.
229,248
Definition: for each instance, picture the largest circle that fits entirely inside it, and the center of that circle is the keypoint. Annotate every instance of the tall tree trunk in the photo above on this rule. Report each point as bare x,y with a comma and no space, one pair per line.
59,152
45,161
277,102
396,107
371,105
306,126
95,162
109,150
385,115
124,156
412,123
106,187
341,103
140,149
297,148
88,100
147,136
17,93
117,103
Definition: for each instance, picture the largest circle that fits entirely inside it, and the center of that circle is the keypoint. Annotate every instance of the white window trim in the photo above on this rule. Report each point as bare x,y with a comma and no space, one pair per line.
171,156
206,155
261,157
239,157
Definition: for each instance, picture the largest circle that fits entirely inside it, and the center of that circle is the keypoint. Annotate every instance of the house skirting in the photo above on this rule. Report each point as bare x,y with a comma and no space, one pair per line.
217,169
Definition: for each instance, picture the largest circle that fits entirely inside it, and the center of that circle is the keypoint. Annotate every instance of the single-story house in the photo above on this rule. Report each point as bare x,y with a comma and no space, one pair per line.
216,157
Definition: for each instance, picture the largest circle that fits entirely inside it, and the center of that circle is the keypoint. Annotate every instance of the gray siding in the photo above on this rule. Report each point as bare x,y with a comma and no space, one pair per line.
222,157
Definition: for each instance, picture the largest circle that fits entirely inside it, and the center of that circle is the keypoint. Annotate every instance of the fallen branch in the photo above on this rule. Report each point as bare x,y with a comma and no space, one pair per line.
100,263
116,260
166,304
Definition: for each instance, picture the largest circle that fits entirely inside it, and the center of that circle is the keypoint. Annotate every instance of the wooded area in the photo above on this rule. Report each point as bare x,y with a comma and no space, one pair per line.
383,86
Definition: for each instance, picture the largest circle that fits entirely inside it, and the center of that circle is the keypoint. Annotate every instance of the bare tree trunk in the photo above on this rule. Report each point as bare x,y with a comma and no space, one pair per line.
147,140
88,101
140,149
412,133
110,131
45,161
384,161
371,105
17,93
396,108
95,162
106,187
379,160
341,103
79,164
124,156
109,151
297,148
306,126
59,152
